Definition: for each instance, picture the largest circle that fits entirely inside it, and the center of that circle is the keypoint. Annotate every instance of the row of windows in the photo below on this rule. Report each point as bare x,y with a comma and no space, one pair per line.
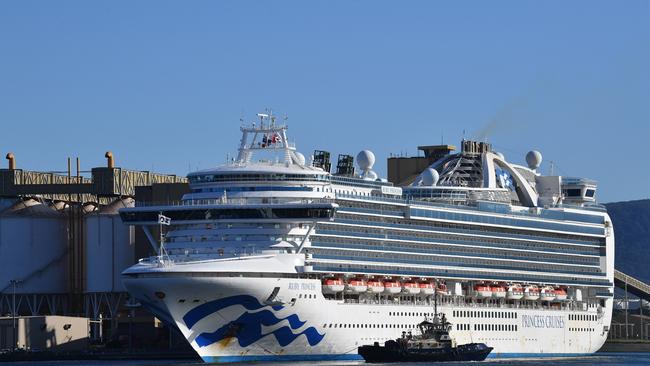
462,326
236,225
583,317
495,220
209,178
371,206
496,207
343,180
383,269
402,313
427,225
352,255
435,248
485,314
254,189
223,238
454,239
229,214
582,329
372,211
375,326
495,327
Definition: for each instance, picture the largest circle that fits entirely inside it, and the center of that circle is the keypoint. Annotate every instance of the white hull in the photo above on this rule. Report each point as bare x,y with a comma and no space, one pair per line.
313,327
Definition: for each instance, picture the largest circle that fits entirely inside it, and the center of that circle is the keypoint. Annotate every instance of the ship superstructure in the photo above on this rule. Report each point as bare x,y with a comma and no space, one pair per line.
278,259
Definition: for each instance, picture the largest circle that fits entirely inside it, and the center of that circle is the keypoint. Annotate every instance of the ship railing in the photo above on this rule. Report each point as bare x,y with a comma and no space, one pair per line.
204,255
586,206
236,201
459,301
471,204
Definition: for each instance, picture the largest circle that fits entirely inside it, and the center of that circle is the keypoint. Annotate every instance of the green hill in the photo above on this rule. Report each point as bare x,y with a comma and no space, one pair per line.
631,221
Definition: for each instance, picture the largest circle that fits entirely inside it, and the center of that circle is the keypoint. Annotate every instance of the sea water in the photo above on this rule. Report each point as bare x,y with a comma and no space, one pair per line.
628,359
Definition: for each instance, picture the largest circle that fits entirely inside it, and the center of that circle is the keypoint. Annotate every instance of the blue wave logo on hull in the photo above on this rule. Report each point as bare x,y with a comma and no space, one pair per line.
247,328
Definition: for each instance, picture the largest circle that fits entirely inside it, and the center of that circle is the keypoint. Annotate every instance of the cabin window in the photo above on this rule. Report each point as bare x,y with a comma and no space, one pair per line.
590,193
573,192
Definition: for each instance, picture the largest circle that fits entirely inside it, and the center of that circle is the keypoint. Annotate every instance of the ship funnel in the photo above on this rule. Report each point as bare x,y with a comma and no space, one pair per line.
12,161
109,159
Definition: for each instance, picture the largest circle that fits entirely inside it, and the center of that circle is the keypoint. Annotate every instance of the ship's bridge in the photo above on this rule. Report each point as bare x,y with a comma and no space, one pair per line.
284,175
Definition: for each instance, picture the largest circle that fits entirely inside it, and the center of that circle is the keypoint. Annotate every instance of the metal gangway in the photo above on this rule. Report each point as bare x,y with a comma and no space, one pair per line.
632,285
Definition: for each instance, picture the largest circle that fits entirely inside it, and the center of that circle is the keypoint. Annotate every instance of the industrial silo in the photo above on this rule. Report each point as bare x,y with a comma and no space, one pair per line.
33,248
110,248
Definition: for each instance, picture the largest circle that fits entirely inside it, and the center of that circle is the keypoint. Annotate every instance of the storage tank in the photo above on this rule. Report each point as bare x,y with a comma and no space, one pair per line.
33,248
110,247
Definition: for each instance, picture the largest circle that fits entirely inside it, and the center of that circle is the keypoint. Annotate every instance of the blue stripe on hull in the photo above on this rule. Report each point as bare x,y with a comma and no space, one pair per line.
348,357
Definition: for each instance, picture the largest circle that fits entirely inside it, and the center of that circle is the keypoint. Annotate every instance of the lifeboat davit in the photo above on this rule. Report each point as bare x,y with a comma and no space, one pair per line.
333,285
531,293
411,287
357,285
547,294
560,294
498,291
375,286
515,292
442,289
427,288
482,290
392,287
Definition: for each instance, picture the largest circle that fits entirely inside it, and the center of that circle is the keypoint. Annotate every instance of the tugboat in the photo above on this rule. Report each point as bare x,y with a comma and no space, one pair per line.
432,345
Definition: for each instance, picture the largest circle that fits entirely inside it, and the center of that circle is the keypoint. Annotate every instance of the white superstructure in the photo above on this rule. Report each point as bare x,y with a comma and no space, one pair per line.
277,259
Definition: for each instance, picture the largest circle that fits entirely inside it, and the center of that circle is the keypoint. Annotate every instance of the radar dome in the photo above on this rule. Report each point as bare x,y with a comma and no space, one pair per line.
371,175
300,157
534,159
500,155
365,160
430,177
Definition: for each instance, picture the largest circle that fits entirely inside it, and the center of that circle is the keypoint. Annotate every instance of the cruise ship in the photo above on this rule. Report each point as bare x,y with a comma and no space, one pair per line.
273,257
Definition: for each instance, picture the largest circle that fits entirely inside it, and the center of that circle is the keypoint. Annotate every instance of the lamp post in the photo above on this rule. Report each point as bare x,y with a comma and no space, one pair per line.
13,311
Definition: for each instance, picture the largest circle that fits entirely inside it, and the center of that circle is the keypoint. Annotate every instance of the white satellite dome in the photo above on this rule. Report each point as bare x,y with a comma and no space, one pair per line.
365,160
500,155
371,175
300,157
430,177
534,159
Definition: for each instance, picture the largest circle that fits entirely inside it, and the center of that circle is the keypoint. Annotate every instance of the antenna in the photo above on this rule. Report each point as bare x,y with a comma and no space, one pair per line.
552,168
435,301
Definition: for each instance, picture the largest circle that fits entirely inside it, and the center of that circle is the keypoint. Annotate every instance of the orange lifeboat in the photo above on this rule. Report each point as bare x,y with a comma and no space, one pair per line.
392,287
427,288
515,292
411,287
482,290
498,291
375,286
560,294
357,285
547,294
531,293
333,285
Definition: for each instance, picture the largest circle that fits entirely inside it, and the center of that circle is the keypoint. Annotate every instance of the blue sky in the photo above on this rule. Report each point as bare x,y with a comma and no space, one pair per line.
163,84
